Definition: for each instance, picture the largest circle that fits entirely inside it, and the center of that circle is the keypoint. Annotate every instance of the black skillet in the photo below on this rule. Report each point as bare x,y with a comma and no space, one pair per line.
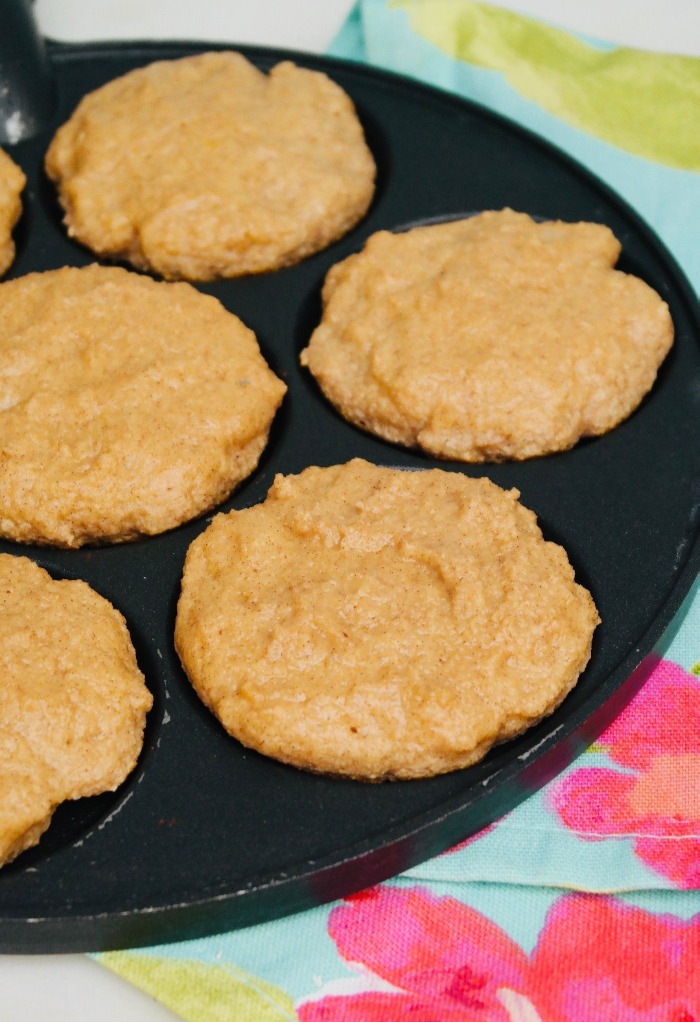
206,836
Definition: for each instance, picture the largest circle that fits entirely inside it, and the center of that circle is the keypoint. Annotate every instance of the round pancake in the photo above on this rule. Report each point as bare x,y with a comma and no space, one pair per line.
487,339
380,623
127,406
206,167
73,701
12,181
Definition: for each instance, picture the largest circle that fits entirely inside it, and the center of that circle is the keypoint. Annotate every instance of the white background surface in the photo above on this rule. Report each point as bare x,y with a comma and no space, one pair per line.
72,988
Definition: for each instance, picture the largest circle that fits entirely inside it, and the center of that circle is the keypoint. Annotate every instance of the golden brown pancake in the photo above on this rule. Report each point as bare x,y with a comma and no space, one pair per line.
488,339
379,623
12,181
206,167
127,406
73,701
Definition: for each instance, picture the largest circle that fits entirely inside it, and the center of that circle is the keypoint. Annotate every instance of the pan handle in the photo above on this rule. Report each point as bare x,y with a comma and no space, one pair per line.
27,95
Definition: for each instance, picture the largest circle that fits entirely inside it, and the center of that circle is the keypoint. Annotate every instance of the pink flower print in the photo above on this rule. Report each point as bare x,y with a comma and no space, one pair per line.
437,959
598,958
664,717
656,800
431,959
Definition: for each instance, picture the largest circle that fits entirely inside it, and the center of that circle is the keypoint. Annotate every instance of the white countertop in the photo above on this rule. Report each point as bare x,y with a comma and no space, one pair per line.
666,25
72,988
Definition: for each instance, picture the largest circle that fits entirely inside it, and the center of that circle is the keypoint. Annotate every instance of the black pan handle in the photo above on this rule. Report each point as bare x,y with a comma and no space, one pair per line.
27,95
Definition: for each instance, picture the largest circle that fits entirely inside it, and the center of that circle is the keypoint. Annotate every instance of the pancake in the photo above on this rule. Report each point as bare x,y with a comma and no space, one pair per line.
378,623
73,701
127,406
488,339
206,167
12,182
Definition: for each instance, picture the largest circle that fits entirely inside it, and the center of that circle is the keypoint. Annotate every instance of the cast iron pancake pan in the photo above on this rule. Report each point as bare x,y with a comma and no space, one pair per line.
206,835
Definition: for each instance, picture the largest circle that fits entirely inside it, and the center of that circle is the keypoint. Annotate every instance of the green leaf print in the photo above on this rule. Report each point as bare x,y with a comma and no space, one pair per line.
199,992
646,103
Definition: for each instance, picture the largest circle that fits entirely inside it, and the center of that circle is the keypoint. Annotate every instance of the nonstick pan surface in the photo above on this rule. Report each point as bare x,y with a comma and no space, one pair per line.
205,835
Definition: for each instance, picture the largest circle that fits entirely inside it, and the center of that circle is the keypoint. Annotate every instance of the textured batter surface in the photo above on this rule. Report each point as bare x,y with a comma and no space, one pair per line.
381,623
127,406
490,338
206,167
12,181
73,701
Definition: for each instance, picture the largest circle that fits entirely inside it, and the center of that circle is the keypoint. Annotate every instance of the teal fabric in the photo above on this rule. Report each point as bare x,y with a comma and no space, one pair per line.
379,33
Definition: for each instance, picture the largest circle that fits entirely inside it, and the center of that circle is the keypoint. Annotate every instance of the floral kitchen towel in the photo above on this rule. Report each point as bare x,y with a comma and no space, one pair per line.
436,953
583,903
435,944
629,116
